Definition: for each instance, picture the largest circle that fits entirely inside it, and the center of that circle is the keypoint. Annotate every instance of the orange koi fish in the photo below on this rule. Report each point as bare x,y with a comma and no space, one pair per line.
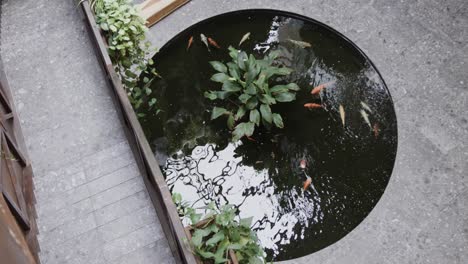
312,106
319,88
190,41
376,130
251,139
213,43
307,182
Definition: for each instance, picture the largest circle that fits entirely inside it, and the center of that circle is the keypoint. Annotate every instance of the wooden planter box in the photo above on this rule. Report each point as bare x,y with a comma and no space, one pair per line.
152,175
189,231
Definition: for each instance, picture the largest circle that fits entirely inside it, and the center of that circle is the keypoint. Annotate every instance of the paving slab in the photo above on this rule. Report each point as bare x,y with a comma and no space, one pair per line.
92,205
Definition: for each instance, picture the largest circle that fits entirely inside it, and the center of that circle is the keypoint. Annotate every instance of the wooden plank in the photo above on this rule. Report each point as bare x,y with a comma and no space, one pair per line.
15,141
153,178
13,247
19,208
155,10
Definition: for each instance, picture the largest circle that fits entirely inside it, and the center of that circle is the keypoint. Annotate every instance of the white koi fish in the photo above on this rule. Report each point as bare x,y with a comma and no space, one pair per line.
244,38
366,118
301,44
204,39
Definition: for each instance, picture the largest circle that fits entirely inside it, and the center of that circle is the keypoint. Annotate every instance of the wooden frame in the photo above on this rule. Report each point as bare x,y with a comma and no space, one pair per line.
155,10
153,178
16,173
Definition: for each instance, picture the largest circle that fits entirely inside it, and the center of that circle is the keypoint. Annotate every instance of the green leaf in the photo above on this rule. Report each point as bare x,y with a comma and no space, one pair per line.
252,74
246,222
243,129
267,99
217,112
177,198
251,89
265,110
251,103
252,62
215,239
211,95
223,94
220,77
285,97
197,239
278,120
195,218
244,98
284,71
233,53
240,113
104,26
221,250
152,102
234,70
279,89
220,260
235,246
242,59
231,121
261,80
273,55
205,254
255,117
255,260
293,87
229,86
218,66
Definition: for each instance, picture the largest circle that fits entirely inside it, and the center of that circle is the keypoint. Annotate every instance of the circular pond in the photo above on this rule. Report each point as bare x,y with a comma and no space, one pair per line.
346,147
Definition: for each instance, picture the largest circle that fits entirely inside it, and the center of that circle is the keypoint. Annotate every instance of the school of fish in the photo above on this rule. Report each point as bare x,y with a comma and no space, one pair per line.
317,90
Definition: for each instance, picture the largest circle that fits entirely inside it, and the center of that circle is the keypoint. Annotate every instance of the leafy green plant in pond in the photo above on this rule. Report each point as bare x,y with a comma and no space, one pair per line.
219,232
129,50
248,92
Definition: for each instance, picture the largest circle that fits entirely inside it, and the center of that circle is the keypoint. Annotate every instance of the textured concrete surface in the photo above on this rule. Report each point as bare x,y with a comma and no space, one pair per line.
91,201
421,49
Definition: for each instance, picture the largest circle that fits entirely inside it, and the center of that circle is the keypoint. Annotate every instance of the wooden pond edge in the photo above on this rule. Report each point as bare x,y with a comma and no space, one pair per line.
153,178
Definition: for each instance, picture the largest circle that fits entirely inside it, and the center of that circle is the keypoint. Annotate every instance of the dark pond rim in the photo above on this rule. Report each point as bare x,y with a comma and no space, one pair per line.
333,31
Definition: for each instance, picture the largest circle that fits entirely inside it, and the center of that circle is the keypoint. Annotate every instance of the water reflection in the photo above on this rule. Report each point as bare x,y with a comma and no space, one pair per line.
208,175
350,166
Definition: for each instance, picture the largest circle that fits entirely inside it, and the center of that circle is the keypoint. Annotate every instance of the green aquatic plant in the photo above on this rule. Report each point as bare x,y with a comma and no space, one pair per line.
128,48
248,90
219,232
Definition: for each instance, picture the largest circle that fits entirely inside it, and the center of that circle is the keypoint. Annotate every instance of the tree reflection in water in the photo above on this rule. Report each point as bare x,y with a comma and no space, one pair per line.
231,176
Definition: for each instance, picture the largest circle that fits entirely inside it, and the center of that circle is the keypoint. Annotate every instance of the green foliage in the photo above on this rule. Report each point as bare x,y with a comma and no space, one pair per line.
125,32
221,232
184,209
246,88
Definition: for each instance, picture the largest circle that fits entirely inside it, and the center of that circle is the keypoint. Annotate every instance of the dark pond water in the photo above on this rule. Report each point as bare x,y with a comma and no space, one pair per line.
350,166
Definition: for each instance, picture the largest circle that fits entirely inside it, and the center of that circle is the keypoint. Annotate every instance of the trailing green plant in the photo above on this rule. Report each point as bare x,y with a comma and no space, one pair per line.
184,209
249,92
219,231
128,48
